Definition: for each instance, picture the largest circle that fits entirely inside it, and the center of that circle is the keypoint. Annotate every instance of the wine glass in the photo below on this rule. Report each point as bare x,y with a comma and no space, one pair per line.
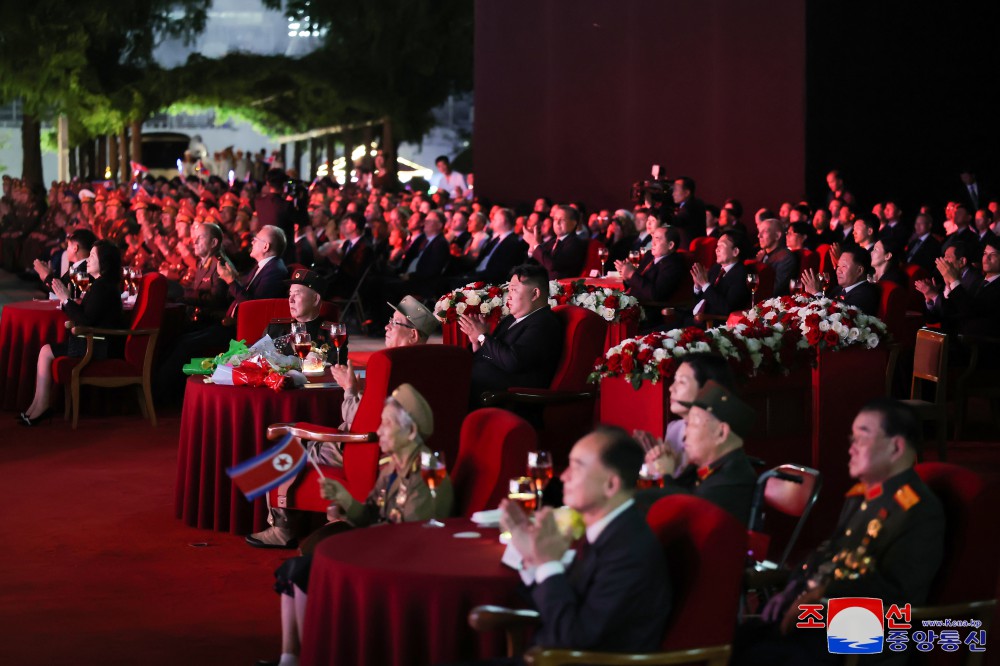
522,491
302,344
602,256
649,477
754,281
794,285
298,327
540,470
338,335
634,257
824,280
432,471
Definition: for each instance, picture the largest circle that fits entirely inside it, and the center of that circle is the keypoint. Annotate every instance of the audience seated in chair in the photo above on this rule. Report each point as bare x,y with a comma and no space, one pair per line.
564,255
399,495
658,275
101,307
888,543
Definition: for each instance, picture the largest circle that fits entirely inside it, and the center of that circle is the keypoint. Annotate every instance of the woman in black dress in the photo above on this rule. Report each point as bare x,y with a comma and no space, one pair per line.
101,307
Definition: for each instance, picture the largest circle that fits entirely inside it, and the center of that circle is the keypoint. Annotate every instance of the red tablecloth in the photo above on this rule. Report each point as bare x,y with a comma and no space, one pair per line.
224,425
399,595
25,328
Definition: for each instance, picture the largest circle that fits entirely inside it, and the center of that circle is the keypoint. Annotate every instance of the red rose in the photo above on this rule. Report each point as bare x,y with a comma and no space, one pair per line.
451,314
831,338
478,285
644,355
615,363
667,367
628,363
813,336
611,302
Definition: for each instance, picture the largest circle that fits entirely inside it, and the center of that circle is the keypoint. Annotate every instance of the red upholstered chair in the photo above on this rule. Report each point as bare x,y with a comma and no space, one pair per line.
593,261
892,308
705,548
493,449
569,400
252,317
808,260
915,300
442,374
140,346
703,250
825,262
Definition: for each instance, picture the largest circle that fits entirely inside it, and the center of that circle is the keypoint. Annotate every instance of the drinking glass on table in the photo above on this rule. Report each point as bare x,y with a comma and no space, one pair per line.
602,256
634,257
753,280
540,470
794,286
432,471
522,490
302,344
824,281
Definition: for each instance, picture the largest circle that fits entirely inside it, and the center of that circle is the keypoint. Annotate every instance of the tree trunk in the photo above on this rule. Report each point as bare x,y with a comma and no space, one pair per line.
136,128
62,148
88,167
330,143
389,150
31,147
112,163
74,162
126,168
296,159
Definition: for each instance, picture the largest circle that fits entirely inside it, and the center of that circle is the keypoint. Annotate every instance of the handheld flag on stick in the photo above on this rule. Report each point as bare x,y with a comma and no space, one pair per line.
257,476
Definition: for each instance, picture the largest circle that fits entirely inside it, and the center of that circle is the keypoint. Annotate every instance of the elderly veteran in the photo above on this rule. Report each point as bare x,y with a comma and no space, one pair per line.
719,470
411,324
305,289
399,495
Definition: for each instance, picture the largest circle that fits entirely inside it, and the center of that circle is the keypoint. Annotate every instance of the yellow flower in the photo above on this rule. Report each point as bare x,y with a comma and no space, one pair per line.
569,522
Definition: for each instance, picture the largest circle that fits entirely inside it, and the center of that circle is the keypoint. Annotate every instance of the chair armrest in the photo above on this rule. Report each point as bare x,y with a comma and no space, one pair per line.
90,330
534,396
499,618
713,656
318,433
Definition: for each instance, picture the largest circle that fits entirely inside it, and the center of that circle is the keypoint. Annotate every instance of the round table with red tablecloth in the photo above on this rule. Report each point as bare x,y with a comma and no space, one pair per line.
225,425
26,327
397,595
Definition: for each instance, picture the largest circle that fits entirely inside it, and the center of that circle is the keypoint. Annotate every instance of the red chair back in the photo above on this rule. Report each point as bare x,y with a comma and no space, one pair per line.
147,313
703,249
252,317
915,300
583,344
593,262
892,308
808,260
493,449
706,550
825,265
969,569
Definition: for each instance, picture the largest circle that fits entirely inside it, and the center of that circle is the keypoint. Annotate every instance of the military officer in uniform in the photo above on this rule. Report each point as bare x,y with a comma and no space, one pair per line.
888,544
206,293
305,289
400,495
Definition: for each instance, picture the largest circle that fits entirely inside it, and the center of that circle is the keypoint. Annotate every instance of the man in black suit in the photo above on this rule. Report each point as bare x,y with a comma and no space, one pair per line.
658,275
775,254
972,309
923,249
853,287
893,230
981,225
78,245
616,594
500,254
564,255
723,288
432,258
526,346
689,212
354,257
957,261
972,193
963,232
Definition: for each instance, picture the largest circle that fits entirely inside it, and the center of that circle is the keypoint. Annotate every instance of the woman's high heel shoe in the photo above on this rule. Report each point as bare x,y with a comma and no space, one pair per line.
29,422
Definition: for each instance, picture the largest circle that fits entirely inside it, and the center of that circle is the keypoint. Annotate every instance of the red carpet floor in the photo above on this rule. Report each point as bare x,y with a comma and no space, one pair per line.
96,569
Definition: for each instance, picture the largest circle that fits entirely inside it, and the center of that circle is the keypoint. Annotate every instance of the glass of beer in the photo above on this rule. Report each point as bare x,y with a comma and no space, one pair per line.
433,471
522,491
540,470
649,477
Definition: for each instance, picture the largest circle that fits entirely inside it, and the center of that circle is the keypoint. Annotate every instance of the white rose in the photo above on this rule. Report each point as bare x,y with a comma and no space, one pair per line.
485,308
770,315
872,341
473,299
460,307
853,334
660,354
752,315
496,301
753,345
824,326
669,343
608,314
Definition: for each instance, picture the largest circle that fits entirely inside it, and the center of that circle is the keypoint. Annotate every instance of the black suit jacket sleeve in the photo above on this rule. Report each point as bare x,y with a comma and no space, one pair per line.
530,345
511,252
786,267
568,259
616,598
101,307
659,282
269,284
731,294
434,258
866,297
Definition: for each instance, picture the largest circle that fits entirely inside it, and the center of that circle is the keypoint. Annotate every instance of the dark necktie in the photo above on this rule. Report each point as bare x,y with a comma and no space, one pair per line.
347,247
554,246
913,250
718,278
